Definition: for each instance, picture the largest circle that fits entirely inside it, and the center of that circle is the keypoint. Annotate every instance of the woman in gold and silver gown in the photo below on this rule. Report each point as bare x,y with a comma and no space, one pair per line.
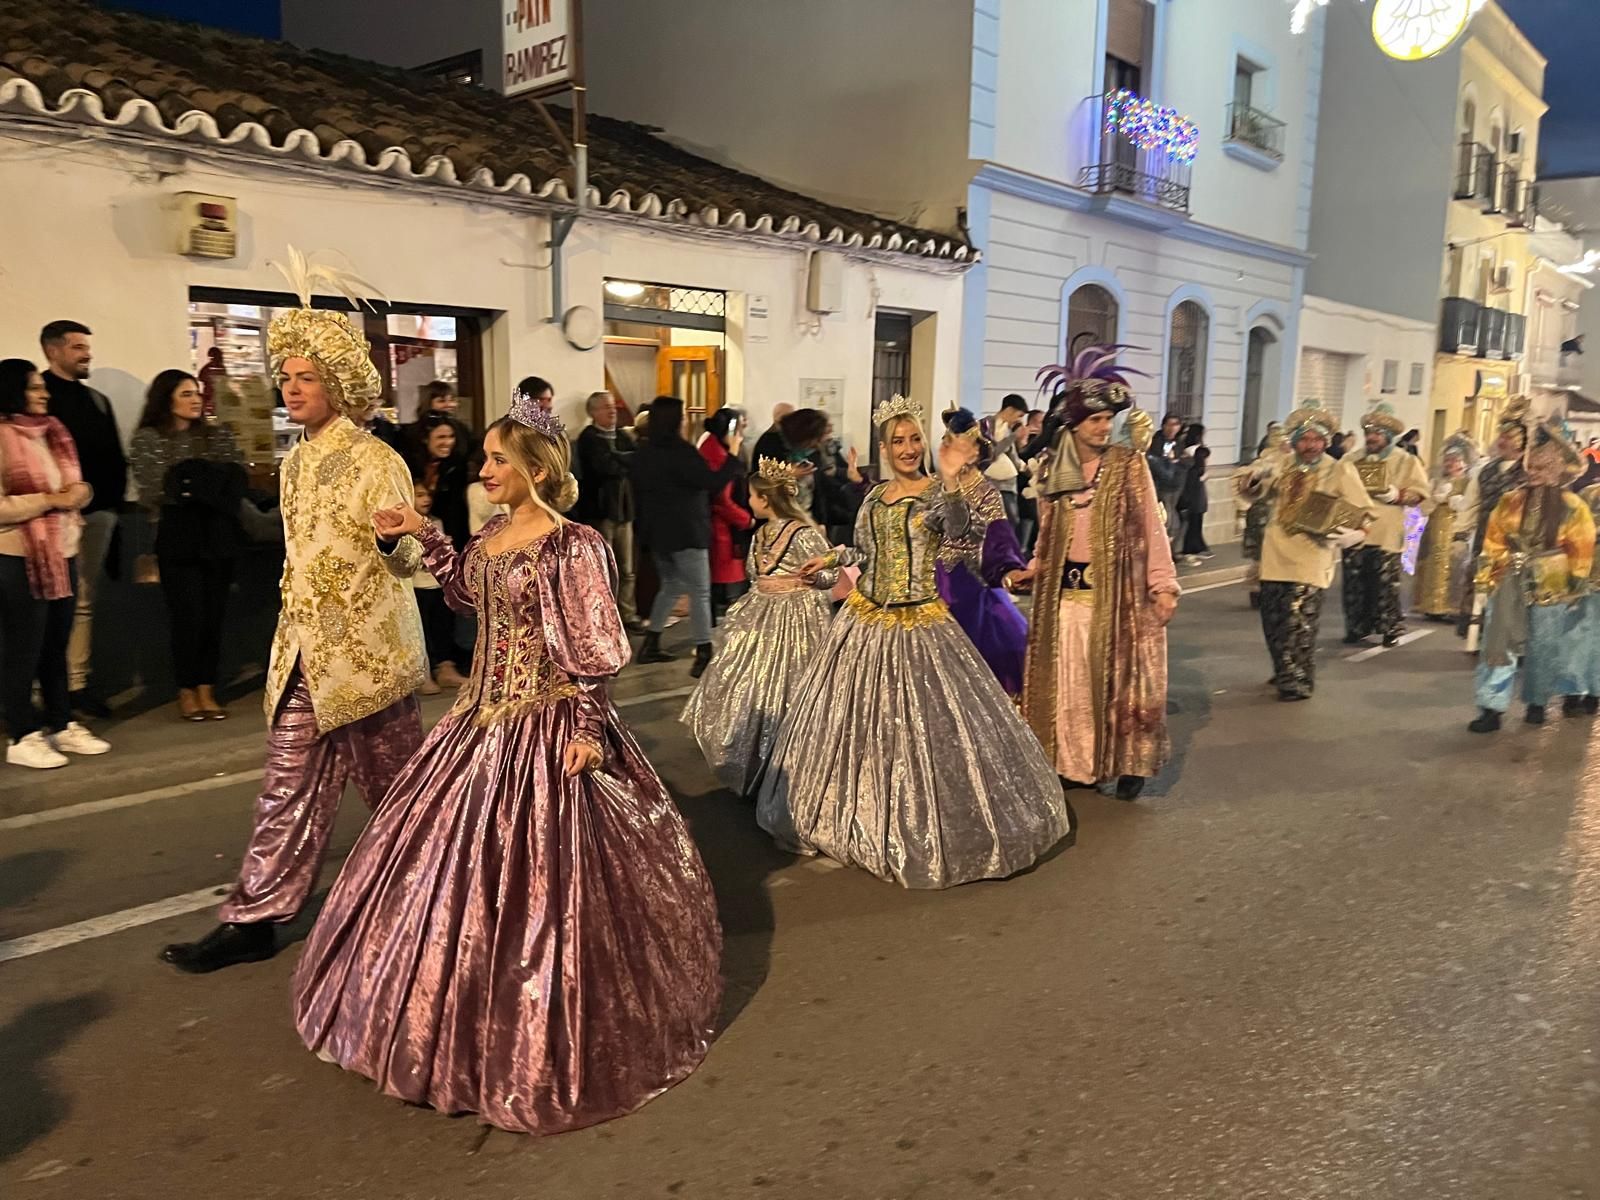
901,754
1444,559
768,638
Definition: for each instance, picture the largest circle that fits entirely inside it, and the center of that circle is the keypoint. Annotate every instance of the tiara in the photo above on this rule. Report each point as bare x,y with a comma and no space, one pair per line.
781,474
525,410
893,409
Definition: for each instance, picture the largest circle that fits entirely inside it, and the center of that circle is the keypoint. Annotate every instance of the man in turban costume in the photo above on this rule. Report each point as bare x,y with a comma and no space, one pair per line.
1396,481
348,652
1095,679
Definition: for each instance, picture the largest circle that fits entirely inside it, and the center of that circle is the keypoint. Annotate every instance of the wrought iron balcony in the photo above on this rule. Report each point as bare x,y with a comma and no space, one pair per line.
1255,128
1476,169
1121,165
1521,200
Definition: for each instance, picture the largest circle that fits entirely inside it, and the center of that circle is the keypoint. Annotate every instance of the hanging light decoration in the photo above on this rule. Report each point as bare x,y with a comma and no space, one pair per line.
1408,30
1151,126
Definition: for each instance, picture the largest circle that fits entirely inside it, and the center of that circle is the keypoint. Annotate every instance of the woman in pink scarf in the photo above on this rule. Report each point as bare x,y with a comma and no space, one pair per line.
41,491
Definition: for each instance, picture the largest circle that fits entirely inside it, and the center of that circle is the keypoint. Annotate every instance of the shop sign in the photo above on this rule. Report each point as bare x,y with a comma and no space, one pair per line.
537,45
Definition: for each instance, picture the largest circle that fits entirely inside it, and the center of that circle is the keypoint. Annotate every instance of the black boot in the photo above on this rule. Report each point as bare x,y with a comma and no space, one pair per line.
1129,787
651,651
1391,640
1488,721
1591,705
223,947
1534,715
1571,706
702,660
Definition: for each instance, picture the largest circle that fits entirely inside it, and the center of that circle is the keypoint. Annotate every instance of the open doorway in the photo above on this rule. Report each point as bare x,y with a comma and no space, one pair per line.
663,340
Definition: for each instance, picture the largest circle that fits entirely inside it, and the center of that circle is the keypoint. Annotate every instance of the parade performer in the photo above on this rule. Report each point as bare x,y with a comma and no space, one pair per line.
525,931
1444,560
1503,473
1105,586
900,753
348,652
1538,549
1580,677
768,638
1257,509
1319,507
977,566
1396,481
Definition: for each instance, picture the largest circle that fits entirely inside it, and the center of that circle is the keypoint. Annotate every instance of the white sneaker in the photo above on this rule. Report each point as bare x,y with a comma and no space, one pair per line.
34,751
75,739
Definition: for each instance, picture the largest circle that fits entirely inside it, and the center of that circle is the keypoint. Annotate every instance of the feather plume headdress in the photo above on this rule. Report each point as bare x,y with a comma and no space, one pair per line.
1093,382
337,349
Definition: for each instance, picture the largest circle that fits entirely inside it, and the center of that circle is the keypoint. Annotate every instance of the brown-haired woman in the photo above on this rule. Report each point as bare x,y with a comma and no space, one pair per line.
191,482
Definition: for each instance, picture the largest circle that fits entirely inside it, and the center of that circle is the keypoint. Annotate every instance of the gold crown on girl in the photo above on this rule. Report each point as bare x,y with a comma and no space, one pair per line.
893,409
784,476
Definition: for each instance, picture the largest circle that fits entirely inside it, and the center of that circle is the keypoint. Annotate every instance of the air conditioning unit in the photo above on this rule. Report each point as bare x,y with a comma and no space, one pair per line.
825,283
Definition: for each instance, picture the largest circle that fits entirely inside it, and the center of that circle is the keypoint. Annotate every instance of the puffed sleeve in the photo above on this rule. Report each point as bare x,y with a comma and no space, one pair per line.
446,564
808,544
582,628
949,513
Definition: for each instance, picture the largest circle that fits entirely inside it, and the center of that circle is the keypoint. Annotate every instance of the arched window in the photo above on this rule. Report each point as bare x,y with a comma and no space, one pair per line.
1186,361
1260,394
1091,318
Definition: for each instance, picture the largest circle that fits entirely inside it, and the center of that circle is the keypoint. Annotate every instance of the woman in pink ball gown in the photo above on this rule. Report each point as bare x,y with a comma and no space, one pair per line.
525,930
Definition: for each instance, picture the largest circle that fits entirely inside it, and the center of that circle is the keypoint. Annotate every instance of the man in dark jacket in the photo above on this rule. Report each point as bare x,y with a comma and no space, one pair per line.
605,496
1169,471
673,486
88,416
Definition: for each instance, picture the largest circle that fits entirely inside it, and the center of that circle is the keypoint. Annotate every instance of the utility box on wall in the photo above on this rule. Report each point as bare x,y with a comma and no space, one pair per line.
825,283
207,225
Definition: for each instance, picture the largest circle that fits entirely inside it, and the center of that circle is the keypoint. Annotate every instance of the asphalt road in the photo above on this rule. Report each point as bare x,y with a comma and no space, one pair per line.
1340,949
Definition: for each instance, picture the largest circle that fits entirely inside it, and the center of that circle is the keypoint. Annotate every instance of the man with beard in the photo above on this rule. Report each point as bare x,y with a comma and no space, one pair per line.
1396,481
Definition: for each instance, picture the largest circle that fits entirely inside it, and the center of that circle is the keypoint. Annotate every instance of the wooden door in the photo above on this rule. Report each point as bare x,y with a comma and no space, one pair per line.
694,375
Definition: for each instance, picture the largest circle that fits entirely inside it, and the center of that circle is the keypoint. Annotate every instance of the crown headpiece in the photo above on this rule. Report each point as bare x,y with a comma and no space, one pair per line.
1382,417
525,410
1310,417
782,475
893,409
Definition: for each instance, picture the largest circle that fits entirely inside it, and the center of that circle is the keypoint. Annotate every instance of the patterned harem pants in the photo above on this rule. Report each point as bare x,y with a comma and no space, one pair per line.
1372,593
1291,614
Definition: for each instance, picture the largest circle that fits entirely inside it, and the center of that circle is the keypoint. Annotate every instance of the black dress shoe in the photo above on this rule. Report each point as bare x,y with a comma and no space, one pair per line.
1487,721
1129,787
87,703
1571,706
1534,715
1591,705
1294,696
1391,640
223,947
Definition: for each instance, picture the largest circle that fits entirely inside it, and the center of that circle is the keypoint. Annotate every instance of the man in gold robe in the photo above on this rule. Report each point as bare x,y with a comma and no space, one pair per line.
348,654
1396,481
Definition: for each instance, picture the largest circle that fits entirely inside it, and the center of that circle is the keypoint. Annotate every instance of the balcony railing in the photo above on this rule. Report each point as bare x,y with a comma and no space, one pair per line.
1255,128
1554,370
1478,331
1118,166
1476,169
1521,202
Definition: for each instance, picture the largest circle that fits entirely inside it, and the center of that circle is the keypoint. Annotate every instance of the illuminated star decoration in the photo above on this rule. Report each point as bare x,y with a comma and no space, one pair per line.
1151,126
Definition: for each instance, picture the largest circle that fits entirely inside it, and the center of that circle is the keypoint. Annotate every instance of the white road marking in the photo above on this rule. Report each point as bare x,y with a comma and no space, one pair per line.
173,792
89,807
97,927
1211,587
1405,640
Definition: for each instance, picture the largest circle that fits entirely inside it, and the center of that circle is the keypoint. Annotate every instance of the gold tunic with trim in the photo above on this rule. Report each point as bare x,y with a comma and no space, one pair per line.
1405,473
348,615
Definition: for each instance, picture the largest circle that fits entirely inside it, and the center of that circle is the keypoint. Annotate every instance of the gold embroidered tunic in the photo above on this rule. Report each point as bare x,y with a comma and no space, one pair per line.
1288,556
1405,473
348,613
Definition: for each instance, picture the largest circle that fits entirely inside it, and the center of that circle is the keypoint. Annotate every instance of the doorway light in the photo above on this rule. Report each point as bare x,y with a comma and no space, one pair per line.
622,289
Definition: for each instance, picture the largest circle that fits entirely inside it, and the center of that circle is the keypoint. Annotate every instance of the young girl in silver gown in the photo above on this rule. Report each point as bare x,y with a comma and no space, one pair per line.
768,637
900,753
